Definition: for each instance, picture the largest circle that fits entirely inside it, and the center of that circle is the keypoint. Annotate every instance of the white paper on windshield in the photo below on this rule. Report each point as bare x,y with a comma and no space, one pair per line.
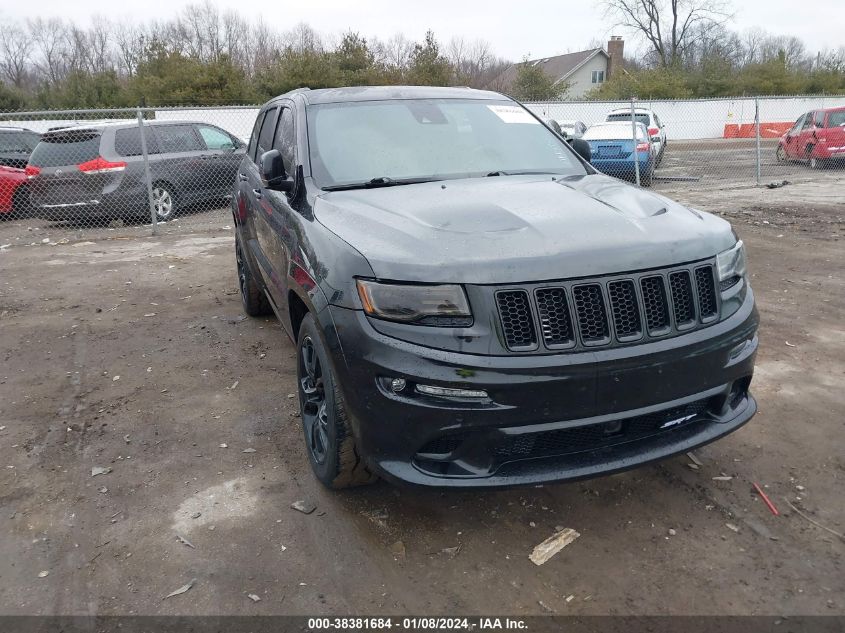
512,114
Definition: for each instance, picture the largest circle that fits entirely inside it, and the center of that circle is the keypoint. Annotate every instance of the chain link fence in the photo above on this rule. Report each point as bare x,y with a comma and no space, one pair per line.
99,173
721,143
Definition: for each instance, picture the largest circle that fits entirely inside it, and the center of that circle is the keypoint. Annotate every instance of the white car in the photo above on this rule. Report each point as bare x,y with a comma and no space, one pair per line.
571,128
656,130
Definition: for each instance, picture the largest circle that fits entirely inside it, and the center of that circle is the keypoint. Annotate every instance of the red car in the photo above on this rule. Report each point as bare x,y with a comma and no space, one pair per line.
16,145
12,190
817,137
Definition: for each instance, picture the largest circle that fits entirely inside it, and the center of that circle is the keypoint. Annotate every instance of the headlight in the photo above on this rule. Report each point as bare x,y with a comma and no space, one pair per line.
731,265
443,305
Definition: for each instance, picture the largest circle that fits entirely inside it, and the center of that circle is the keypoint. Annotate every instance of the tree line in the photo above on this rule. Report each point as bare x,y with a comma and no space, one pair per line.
691,51
207,57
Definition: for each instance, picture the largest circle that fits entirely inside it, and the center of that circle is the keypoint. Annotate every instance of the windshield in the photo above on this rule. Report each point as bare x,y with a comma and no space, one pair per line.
357,142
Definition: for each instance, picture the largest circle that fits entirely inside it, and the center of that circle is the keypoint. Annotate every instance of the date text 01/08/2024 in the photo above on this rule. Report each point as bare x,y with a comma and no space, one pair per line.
416,624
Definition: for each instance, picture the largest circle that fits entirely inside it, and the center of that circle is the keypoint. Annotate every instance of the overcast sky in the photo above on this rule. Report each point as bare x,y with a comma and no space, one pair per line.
537,28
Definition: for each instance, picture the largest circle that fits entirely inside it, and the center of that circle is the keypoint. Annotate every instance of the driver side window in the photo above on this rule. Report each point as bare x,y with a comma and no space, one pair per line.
285,140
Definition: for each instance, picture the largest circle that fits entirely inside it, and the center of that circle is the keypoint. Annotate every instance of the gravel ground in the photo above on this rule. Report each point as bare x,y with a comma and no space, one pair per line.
132,355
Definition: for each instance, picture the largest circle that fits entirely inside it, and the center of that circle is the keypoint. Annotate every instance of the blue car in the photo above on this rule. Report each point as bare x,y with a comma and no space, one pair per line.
615,150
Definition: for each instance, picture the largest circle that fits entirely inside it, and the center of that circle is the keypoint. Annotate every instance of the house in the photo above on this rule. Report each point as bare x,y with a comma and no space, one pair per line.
581,71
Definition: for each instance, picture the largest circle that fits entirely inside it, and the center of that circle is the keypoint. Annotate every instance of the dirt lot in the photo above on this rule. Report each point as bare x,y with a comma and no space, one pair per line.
132,355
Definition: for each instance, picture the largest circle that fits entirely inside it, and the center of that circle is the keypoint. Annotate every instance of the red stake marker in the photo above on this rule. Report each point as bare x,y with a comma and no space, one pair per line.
766,500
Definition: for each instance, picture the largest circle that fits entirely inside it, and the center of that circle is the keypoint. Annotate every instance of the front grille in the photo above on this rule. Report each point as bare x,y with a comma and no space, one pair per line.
654,300
591,314
555,321
707,304
608,311
517,324
593,436
682,299
626,312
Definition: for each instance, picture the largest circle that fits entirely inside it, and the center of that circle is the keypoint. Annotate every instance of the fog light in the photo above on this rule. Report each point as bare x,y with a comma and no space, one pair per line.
398,384
452,393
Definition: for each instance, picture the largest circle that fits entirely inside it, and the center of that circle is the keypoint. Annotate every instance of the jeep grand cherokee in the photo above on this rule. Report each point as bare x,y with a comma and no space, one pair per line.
473,304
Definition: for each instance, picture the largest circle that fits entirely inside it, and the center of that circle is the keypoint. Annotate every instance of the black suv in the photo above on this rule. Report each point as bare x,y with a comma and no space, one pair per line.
473,304
16,144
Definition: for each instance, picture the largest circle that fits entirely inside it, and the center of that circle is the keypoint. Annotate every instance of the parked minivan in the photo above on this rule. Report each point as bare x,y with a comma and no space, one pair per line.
472,304
80,173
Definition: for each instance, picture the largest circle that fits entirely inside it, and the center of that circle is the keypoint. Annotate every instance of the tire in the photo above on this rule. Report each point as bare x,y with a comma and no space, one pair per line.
817,163
329,441
21,205
166,201
252,296
780,154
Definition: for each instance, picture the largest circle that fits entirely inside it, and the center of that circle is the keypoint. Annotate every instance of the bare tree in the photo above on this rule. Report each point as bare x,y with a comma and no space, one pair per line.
788,47
128,41
470,60
395,53
265,45
50,41
668,26
15,46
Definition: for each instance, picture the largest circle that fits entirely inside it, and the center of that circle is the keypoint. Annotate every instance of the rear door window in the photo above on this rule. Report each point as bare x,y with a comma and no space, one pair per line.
215,139
836,119
127,142
178,139
66,148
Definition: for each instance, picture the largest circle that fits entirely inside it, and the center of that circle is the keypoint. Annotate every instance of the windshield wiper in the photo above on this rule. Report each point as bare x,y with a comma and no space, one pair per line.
381,181
524,172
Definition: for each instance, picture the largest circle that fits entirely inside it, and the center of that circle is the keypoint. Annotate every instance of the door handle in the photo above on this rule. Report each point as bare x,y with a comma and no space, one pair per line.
257,193
242,177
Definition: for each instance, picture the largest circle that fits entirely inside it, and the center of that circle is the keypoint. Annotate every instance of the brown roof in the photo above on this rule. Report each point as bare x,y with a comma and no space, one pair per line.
555,68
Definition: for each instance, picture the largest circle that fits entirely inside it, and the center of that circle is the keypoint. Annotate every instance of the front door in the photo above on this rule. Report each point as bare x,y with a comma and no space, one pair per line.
221,159
792,138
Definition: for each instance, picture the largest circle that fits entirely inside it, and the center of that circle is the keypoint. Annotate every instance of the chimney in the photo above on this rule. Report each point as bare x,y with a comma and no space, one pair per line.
615,50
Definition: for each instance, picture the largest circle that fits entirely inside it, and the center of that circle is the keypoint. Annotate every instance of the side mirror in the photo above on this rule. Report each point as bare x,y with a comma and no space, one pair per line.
582,148
272,171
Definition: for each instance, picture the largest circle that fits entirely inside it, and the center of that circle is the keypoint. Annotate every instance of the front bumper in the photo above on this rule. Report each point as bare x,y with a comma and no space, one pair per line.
548,417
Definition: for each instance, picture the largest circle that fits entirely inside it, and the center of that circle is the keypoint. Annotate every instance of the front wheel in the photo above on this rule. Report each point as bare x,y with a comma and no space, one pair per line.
780,154
329,441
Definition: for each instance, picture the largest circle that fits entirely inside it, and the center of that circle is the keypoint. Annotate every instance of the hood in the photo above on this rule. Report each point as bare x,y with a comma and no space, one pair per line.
510,229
